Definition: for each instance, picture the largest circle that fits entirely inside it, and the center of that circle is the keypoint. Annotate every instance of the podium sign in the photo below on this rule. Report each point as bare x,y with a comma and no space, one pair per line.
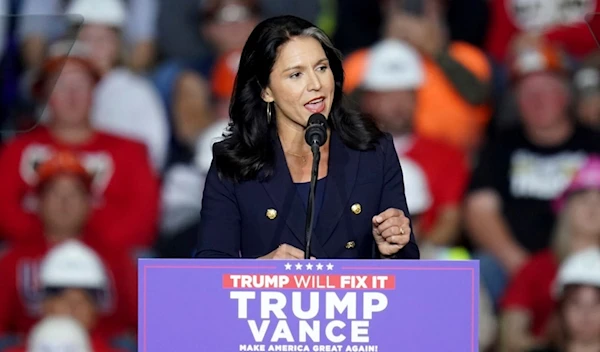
235,305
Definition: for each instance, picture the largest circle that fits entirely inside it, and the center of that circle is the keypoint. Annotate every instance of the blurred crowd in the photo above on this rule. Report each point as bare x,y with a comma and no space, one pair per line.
109,108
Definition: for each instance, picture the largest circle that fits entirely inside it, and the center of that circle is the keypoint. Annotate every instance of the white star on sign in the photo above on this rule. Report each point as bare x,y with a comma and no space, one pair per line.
329,266
298,266
288,266
309,266
319,266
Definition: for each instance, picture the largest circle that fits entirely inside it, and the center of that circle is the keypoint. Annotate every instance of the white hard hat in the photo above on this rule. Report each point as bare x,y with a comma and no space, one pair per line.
580,268
73,264
393,65
106,12
58,334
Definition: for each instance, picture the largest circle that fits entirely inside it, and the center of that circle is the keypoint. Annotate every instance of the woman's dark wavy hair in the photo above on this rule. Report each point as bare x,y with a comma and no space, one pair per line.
248,149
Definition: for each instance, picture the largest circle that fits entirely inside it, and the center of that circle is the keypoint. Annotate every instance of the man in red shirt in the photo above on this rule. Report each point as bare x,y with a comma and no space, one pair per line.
64,188
388,92
125,189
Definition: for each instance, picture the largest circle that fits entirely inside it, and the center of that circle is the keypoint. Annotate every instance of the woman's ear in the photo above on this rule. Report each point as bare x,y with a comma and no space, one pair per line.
267,95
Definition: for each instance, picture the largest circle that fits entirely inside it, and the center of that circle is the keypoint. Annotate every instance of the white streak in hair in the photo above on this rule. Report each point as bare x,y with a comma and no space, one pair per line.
319,35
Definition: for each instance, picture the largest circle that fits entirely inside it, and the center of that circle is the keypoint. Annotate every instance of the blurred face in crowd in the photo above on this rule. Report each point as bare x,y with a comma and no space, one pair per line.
104,45
229,26
588,110
584,213
581,313
301,82
543,99
64,205
71,95
392,110
76,303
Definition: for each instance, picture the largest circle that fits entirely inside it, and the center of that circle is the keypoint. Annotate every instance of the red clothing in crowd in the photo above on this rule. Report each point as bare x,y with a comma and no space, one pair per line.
20,293
447,174
98,345
126,190
563,25
531,290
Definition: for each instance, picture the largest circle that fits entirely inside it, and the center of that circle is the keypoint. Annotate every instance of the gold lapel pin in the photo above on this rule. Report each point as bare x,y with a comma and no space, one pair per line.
271,213
356,208
350,245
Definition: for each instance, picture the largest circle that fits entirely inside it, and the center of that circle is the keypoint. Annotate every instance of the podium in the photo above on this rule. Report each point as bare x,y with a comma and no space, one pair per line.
235,305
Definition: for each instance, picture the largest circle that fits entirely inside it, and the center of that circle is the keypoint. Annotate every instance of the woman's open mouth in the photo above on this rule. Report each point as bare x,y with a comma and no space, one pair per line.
316,106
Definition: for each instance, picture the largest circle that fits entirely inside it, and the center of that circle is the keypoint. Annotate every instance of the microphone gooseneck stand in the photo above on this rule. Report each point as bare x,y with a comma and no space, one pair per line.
315,136
316,152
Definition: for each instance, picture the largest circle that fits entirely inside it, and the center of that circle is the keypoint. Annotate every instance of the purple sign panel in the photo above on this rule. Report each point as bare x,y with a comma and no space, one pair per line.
314,305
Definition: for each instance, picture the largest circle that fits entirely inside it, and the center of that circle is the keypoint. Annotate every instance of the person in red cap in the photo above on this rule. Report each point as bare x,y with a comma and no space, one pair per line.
508,206
527,306
64,189
124,186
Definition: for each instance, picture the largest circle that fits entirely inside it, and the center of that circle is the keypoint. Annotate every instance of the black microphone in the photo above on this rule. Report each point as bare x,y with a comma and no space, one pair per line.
315,135
316,130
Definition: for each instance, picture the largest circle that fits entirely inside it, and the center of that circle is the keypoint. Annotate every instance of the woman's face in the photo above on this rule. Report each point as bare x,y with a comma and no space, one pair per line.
582,314
585,212
301,82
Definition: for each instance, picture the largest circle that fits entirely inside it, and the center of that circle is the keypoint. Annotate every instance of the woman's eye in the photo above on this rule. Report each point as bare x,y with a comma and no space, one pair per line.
323,68
295,75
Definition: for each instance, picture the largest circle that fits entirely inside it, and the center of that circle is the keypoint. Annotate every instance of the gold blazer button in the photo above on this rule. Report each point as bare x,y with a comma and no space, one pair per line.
350,245
356,208
271,213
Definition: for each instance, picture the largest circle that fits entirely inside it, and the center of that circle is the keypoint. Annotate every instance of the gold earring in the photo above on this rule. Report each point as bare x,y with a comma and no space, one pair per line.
268,112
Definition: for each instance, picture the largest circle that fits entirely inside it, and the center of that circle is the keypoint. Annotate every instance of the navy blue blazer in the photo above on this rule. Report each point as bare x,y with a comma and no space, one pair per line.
237,220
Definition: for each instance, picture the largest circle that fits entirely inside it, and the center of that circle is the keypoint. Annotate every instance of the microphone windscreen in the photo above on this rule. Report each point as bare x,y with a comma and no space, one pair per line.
316,130
317,119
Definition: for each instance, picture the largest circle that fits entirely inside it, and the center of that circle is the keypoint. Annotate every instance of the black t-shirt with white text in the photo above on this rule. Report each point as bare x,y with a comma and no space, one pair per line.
528,177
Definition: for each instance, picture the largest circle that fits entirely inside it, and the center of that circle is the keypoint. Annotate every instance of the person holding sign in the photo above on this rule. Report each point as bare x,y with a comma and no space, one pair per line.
258,187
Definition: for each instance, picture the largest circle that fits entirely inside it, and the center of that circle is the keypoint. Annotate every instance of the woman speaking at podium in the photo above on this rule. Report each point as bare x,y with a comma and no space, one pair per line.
258,187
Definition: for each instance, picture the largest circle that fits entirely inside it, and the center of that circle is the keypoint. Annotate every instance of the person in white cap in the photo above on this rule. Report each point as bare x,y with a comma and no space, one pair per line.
76,284
75,291
577,290
388,92
124,103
